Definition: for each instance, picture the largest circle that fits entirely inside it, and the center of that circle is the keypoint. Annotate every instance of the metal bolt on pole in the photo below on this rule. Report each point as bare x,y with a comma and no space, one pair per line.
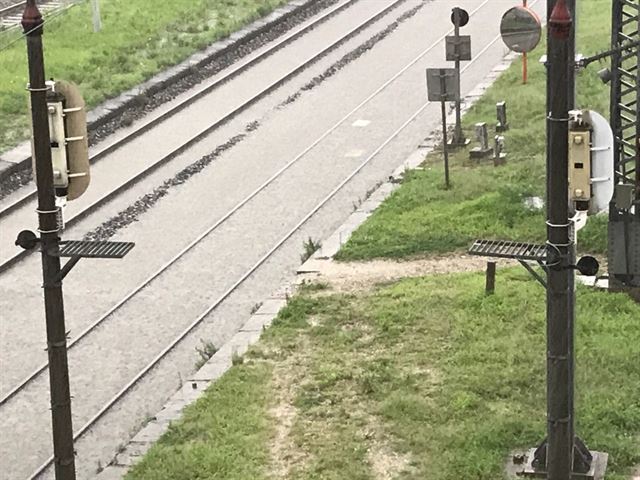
62,426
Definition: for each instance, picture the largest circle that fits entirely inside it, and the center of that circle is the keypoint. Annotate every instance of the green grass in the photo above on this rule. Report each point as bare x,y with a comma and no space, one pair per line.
222,436
429,371
138,39
487,202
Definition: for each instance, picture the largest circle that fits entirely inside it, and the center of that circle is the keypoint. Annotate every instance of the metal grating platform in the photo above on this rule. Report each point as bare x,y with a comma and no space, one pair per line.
87,249
507,249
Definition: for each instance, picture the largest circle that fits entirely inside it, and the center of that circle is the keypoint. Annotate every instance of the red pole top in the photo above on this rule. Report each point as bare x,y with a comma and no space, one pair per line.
560,21
31,19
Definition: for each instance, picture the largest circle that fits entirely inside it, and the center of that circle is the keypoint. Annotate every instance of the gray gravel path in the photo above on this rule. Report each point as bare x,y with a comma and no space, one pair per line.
134,335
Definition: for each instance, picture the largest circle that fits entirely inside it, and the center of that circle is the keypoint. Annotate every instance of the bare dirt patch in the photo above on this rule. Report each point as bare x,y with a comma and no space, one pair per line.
385,463
285,455
358,276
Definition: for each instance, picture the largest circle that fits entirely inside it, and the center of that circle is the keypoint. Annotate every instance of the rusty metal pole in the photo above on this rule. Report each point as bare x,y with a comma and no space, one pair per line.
62,426
560,294
573,251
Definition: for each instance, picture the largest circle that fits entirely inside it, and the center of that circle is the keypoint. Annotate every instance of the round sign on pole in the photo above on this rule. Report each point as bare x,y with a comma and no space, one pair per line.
463,16
521,29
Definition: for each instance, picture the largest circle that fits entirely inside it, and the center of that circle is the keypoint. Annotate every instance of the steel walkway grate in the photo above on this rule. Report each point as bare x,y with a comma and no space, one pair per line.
507,249
87,249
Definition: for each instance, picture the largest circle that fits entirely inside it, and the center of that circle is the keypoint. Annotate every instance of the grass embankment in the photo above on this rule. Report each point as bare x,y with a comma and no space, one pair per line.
487,202
423,379
137,40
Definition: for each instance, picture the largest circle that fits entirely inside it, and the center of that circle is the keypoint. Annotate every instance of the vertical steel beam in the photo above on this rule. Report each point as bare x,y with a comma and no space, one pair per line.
637,104
624,248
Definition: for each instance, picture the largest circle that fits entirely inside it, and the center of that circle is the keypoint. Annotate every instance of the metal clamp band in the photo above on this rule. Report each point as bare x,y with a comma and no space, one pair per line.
45,89
566,225
563,358
44,212
49,231
57,344
558,245
558,255
562,120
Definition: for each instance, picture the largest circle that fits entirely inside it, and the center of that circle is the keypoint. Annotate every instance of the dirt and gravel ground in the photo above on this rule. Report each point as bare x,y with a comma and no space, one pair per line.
359,276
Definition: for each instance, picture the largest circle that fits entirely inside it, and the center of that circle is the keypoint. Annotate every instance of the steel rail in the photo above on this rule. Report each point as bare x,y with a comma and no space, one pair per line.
16,6
16,9
19,5
151,365
232,73
24,383
208,130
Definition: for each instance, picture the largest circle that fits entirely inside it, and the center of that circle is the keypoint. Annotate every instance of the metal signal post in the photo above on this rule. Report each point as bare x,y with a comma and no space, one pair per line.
459,18
563,455
442,87
63,451
560,294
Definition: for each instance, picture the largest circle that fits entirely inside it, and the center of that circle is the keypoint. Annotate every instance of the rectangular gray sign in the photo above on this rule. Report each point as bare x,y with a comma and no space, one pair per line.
460,45
442,85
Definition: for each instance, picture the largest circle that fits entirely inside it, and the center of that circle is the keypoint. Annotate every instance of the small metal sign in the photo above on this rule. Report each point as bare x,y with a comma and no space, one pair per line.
442,85
458,48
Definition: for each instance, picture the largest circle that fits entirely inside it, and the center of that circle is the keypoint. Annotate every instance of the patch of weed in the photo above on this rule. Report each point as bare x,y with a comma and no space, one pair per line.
310,246
205,351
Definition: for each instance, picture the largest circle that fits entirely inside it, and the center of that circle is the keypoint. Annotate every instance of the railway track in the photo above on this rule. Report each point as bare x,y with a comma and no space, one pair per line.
22,204
182,335
23,384
11,15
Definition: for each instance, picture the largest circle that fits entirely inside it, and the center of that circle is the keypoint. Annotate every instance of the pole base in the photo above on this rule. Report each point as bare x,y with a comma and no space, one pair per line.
463,142
521,467
501,159
478,153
